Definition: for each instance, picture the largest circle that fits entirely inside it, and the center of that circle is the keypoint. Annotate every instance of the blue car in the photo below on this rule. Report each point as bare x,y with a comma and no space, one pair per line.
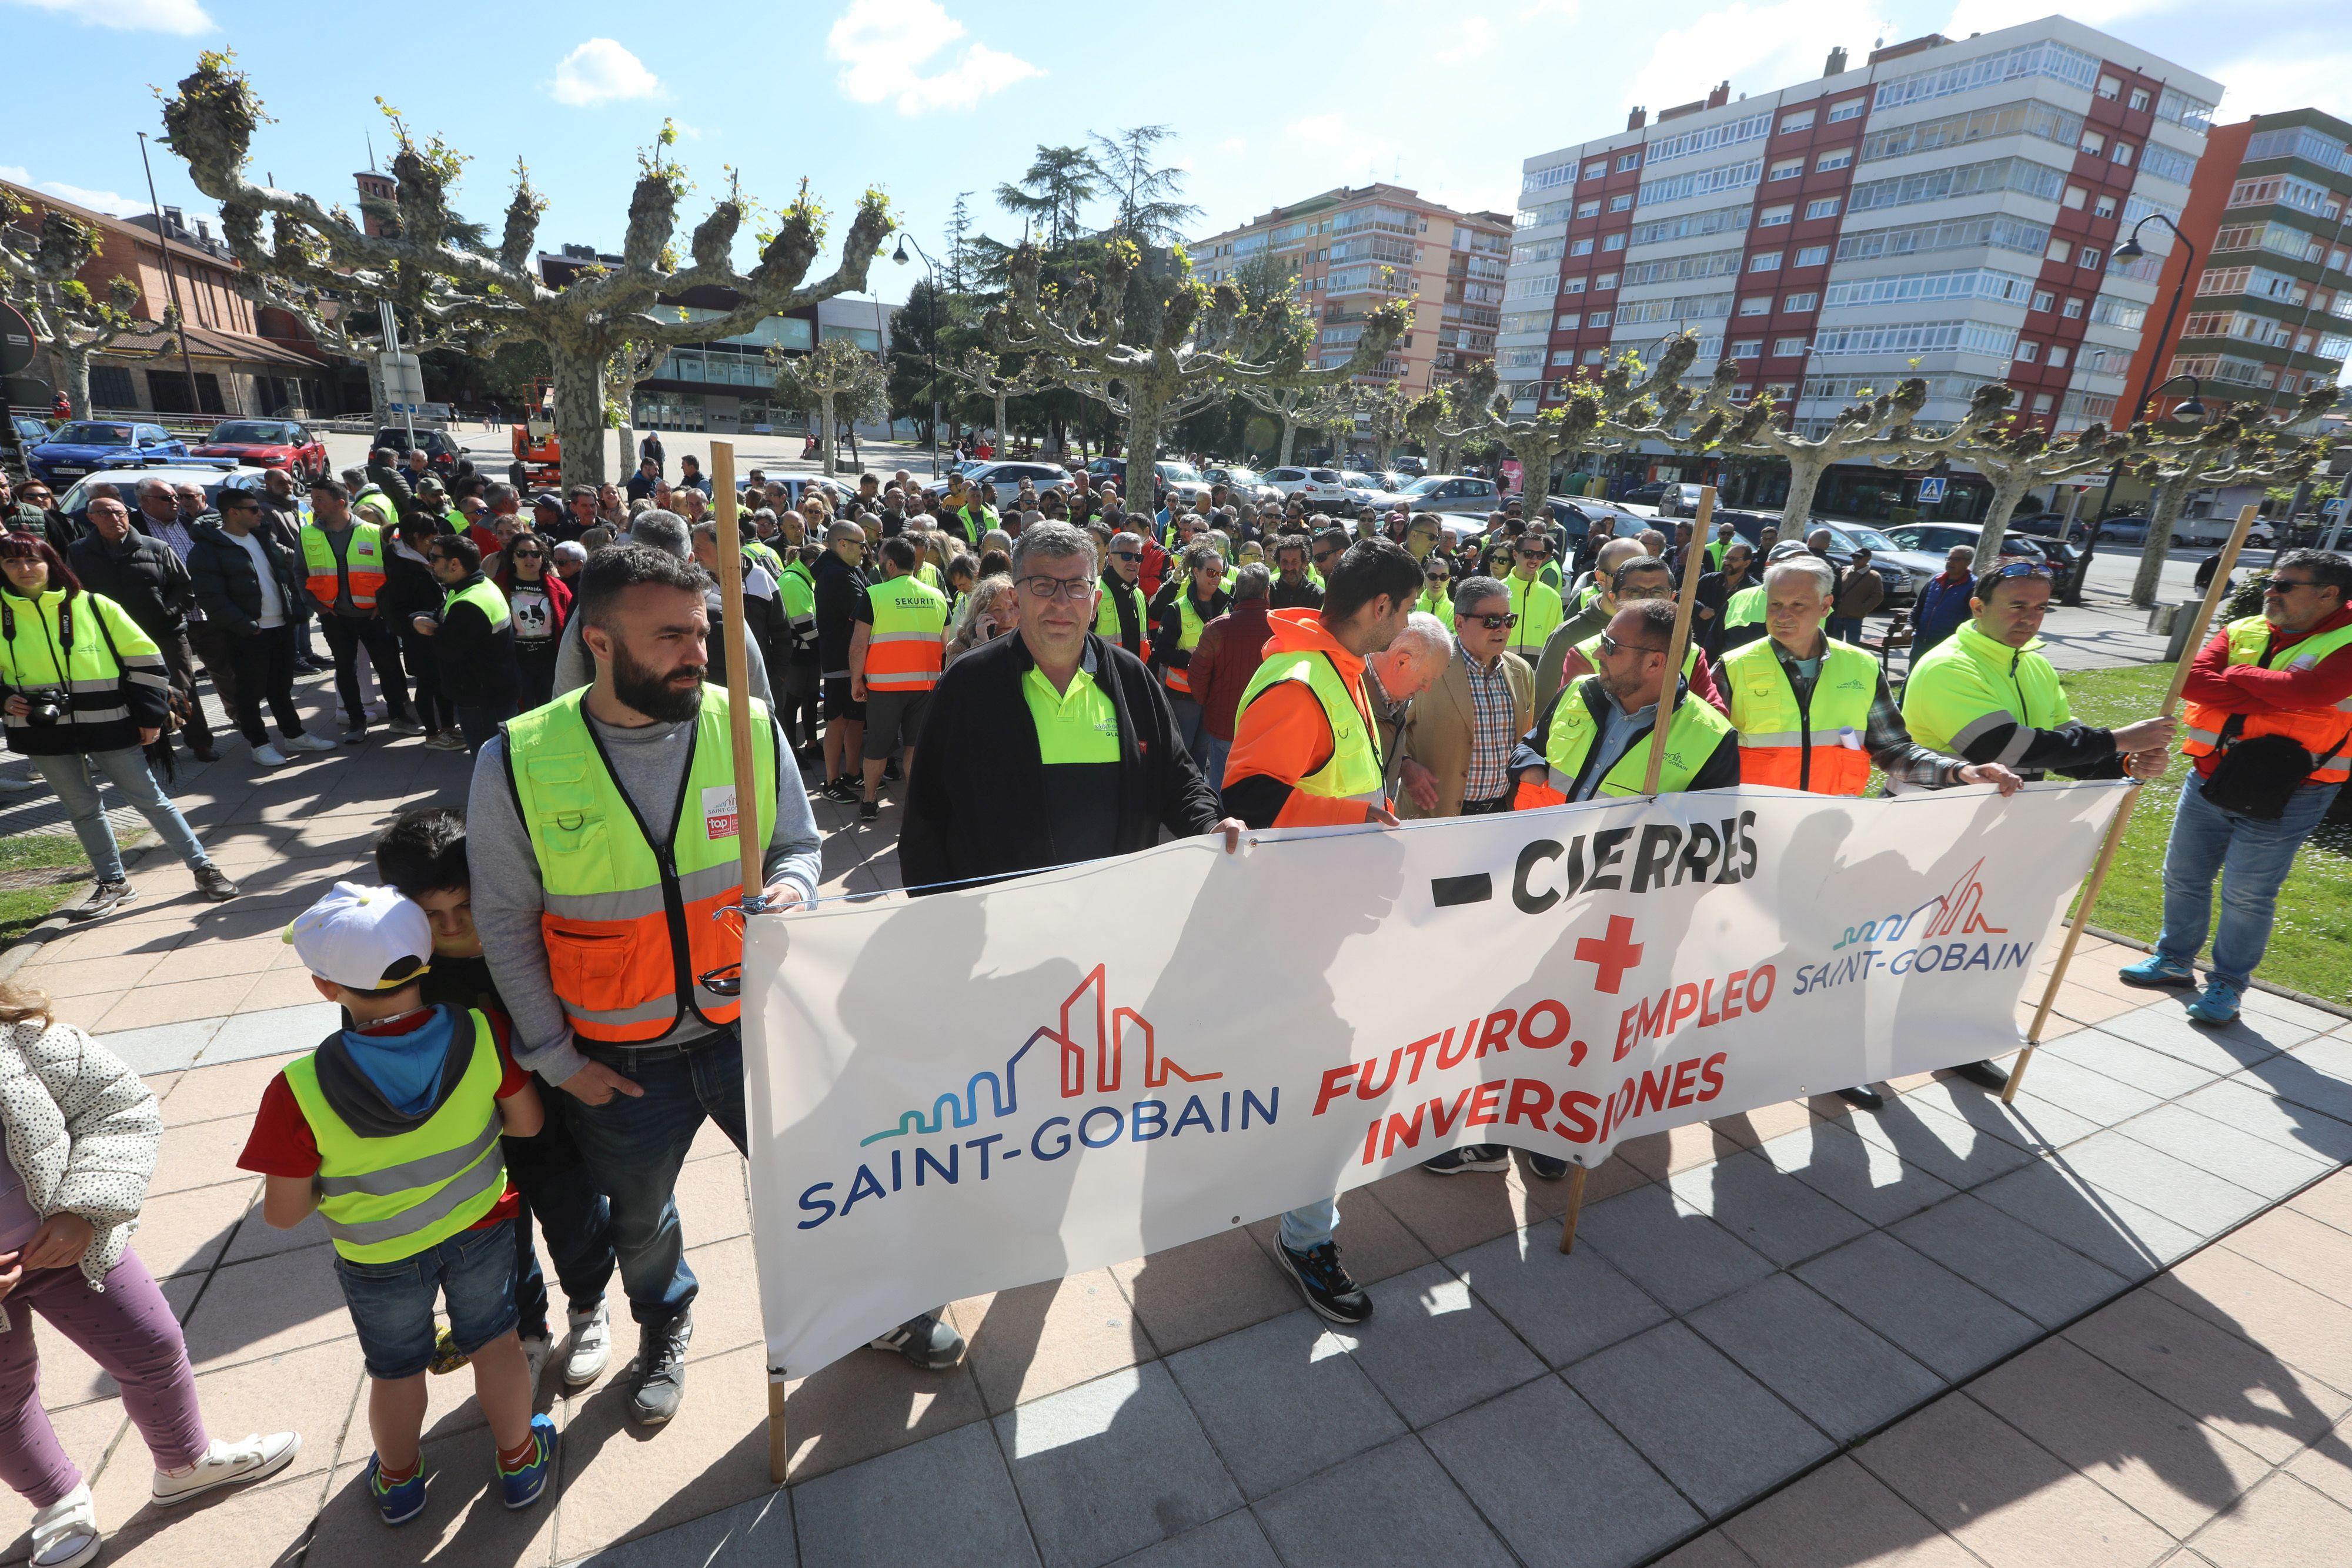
84,446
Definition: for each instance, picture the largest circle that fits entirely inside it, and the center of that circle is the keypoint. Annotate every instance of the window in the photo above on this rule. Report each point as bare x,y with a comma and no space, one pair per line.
2057,357
1760,305
1702,182
2042,403
2110,87
1623,203
1747,348
1849,110
2138,100
1791,303
1821,207
1605,280
2073,311
1580,247
1598,319
2089,256
1813,256
1613,242
1598,167
1729,134
2060,250
1783,348
1628,161
2121,152
1788,168
2043,299
1563,356
1572,286
2077,198
2045,58
1590,209
1800,120
1771,217
1837,160
1767,262
1595,356
2104,207
2094,143
2028,351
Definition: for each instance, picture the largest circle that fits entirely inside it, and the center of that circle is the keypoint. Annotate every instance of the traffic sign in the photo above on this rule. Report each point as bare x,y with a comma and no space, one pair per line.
15,340
1930,491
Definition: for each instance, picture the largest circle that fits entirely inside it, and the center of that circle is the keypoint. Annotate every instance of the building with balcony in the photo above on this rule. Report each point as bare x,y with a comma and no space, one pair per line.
2267,314
1354,248
1948,211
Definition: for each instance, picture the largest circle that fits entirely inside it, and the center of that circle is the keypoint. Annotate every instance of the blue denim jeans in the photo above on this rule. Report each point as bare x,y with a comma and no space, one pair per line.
2253,859
1212,766
127,770
633,1148
1192,725
1310,1223
392,1303
480,721
555,1188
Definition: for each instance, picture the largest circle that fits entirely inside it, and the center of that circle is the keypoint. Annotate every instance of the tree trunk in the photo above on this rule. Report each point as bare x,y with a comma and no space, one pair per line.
2171,499
1003,437
2006,494
1289,435
825,433
1805,473
1143,404
579,415
73,369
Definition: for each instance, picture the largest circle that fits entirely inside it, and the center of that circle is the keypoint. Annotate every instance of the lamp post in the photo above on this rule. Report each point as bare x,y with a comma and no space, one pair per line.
2130,251
171,281
930,276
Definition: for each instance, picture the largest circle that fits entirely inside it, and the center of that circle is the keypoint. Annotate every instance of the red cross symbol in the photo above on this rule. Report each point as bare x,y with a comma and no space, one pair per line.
1612,955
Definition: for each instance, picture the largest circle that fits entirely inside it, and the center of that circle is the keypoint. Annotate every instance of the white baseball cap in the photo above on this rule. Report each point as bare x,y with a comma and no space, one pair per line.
357,935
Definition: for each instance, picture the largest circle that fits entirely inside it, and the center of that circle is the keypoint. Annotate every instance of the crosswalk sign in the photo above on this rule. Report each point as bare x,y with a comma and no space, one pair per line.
1930,491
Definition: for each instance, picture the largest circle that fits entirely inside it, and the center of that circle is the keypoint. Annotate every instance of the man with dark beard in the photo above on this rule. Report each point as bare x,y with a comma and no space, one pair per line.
606,823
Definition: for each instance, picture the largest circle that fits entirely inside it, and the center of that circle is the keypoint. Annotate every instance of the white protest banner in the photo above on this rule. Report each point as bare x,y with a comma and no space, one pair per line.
985,1088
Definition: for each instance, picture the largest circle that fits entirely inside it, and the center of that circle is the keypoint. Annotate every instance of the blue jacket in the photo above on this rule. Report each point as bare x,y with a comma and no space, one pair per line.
1943,606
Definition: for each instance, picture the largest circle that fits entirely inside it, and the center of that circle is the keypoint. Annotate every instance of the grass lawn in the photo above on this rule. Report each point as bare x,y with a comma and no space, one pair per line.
2311,945
33,879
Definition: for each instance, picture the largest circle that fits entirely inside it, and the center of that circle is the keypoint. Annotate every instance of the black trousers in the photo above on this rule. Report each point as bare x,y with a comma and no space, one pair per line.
180,659
346,635
433,709
263,666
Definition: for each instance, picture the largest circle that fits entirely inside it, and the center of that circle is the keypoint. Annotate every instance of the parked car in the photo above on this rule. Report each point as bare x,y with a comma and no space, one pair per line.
1320,489
2191,531
83,446
267,443
1411,467
2042,525
1182,478
441,449
1002,480
1644,495
30,431
1584,518
2128,530
1679,500
1453,493
1248,483
215,474
1905,572
1937,539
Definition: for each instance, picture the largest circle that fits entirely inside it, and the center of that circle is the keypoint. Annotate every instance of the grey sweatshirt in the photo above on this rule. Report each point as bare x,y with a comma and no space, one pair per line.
648,763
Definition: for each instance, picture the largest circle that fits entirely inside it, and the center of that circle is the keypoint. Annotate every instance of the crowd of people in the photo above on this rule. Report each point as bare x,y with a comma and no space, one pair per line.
541,999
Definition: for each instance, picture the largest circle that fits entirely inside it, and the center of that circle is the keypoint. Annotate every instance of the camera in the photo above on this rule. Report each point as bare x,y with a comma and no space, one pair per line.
45,705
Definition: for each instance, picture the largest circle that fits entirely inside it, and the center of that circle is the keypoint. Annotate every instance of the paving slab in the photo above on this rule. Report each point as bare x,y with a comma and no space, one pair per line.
1669,1249
1111,1466
1282,1400
1524,1278
947,1501
1837,1373
1751,1199
1395,1504
1433,1348
2006,1257
1930,1311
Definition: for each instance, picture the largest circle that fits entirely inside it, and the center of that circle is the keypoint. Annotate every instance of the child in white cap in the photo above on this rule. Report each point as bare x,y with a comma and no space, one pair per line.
390,1131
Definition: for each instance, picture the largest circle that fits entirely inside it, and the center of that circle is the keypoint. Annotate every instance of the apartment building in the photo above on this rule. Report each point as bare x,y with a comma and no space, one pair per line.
2267,314
1948,210
1354,248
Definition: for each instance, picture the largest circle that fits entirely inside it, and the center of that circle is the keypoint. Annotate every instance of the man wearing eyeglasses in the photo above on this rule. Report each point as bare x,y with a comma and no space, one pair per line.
2268,724
895,660
1459,733
1638,580
1123,617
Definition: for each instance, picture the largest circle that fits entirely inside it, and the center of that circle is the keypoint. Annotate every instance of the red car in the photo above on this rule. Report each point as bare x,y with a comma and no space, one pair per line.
267,443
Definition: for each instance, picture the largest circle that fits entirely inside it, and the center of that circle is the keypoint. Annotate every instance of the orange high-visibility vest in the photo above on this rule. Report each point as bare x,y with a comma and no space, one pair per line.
361,570
2324,732
905,651
1802,745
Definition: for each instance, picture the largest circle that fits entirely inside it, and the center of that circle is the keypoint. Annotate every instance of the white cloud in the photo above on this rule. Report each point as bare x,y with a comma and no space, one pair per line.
884,46
1565,10
1473,38
185,17
2285,73
111,204
1986,16
601,71
1754,46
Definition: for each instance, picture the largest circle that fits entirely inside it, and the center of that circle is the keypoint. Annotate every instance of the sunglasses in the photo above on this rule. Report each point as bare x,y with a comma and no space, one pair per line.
1127,555
530,555
2282,587
2018,568
1611,646
1494,622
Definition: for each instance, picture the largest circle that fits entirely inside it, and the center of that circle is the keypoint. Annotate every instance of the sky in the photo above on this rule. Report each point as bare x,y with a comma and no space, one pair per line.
926,98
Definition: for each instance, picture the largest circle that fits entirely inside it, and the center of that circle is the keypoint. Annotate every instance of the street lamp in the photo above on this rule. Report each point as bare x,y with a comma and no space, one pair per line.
931,277
2130,250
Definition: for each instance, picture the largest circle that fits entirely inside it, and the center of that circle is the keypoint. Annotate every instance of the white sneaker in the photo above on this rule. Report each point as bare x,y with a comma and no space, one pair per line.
310,743
227,1464
18,786
536,1351
592,1346
66,1533
268,755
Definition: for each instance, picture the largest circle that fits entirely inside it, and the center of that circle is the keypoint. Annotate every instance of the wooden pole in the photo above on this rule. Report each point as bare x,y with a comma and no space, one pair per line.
1685,607
738,676
780,1451
2205,613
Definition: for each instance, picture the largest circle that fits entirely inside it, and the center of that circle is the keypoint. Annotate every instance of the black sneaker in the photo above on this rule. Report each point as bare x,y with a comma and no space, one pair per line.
102,897
1861,1094
1469,1158
926,1341
890,773
842,790
1549,1167
1983,1075
214,884
657,1377
1323,1280
869,811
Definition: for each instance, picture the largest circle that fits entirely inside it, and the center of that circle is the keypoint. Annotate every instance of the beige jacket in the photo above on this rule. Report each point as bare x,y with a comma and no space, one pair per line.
1438,728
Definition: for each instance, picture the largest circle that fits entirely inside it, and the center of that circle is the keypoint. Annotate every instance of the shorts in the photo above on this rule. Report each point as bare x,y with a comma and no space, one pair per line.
838,704
893,719
392,1303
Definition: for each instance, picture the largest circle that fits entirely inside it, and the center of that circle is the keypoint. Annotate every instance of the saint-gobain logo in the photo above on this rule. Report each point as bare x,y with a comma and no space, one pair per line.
1943,936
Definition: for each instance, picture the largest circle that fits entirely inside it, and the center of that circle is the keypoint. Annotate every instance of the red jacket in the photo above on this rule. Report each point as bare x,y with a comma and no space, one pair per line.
2251,688
1231,649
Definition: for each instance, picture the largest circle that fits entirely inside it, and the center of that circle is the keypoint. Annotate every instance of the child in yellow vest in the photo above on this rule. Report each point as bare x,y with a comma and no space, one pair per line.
389,1131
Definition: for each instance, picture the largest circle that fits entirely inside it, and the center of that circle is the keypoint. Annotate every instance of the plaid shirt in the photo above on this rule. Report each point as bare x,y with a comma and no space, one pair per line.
1495,732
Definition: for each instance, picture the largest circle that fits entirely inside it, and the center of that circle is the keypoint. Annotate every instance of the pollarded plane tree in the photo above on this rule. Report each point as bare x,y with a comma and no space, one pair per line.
495,288
310,292
1160,341
985,373
2232,450
2016,460
1300,408
42,273
834,381
1631,402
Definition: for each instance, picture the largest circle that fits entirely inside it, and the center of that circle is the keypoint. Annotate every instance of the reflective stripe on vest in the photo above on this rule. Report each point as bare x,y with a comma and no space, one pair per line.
631,929
904,652
1800,745
1188,637
1107,613
360,572
483,595
1354,771
2323,731
1969,685
1696,730
385,1198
